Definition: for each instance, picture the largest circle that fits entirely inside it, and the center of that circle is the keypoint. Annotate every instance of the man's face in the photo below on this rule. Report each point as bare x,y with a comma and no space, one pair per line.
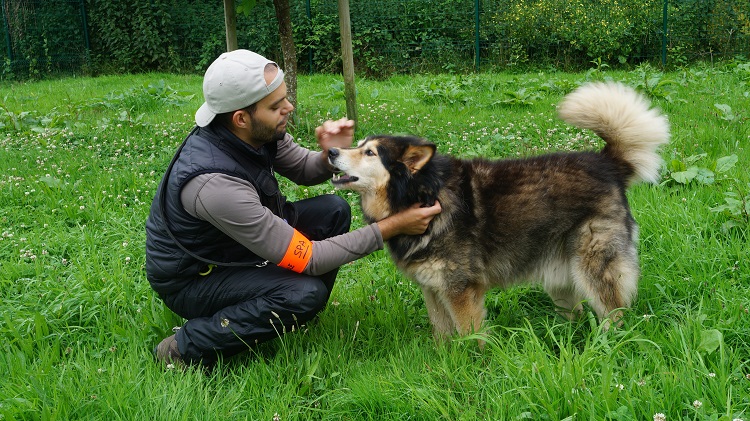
268,122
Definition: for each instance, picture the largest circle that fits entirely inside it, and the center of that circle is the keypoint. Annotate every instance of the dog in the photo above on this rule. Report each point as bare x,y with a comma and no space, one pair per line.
561,220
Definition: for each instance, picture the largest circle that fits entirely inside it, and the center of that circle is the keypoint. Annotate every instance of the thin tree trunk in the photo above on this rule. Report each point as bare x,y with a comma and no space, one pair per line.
347,59
230,23
283,16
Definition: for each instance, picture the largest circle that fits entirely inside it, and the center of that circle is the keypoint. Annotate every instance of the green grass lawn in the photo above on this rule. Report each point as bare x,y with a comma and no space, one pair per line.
80,159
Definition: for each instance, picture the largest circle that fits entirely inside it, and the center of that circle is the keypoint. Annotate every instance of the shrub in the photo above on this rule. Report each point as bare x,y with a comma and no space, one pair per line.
576,32
389,36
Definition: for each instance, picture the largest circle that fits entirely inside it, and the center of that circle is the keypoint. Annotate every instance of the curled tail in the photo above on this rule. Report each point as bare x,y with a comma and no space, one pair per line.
625,120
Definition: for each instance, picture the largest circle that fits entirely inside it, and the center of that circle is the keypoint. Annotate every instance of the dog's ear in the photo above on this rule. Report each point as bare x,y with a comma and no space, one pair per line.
416,156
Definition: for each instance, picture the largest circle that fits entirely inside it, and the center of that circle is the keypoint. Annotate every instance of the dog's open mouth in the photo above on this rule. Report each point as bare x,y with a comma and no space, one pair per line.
339,179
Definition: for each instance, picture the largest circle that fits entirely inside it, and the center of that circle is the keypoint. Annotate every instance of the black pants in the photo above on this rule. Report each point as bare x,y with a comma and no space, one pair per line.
234,308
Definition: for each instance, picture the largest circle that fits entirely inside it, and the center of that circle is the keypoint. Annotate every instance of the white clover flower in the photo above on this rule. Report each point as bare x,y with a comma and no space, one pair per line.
660,417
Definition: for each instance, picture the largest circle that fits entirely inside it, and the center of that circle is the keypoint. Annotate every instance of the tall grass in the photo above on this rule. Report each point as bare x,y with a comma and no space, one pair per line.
80,159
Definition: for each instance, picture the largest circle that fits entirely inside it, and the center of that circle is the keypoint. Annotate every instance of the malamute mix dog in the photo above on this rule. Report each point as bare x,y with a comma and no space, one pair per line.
561,220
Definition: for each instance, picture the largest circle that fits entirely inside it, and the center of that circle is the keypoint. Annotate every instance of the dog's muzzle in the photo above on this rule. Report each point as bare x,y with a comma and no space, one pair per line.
340,178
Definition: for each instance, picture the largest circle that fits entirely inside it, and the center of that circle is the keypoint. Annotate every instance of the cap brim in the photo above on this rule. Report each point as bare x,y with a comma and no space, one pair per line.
204,116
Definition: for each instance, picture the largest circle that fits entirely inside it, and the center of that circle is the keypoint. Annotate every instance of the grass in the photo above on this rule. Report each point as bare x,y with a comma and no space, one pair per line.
80,159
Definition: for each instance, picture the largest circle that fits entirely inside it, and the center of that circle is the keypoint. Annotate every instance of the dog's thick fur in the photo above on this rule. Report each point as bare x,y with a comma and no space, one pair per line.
561,220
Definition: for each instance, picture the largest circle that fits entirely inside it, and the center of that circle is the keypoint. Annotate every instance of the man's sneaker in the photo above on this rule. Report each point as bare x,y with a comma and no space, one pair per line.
168,353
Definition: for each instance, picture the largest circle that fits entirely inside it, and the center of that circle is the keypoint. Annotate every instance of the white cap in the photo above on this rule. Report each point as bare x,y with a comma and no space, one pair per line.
234,81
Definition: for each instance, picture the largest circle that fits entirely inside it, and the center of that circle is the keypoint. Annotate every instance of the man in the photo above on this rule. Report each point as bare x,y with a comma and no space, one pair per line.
224,249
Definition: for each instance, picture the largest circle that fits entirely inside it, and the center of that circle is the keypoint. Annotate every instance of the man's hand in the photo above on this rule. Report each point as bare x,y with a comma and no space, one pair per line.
335,134
412,221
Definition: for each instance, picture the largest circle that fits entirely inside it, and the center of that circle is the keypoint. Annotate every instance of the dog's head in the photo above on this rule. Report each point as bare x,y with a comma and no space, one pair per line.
383,170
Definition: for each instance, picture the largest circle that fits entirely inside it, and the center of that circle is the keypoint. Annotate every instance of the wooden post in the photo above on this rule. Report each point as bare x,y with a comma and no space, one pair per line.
347,57
230,23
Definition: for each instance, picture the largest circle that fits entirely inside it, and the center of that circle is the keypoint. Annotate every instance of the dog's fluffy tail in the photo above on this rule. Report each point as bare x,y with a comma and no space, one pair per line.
625,120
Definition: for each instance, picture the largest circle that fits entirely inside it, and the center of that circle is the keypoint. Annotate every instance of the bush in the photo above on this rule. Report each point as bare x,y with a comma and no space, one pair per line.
389,36
41,40
576,32
705,28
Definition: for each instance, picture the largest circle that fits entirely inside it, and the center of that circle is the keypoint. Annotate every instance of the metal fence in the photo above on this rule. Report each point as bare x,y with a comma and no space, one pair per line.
44,37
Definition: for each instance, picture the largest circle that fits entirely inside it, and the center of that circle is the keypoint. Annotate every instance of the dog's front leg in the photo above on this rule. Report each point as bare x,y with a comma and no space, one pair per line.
440,317
467,308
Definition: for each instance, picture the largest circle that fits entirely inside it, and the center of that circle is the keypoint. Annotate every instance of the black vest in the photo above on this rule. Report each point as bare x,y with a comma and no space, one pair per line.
189,244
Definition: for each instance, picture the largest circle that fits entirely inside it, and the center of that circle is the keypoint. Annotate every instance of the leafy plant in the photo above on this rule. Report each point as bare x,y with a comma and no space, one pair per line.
736,203
743,71
145,98
599,67
736,206
689,171
449,91
655,84
521,96
726,113
15,121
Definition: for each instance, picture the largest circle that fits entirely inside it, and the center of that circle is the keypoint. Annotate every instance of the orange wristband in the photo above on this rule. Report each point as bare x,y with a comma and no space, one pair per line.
298,254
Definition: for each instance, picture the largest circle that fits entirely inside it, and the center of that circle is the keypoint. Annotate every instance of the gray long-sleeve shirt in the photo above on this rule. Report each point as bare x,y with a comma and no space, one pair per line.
233,206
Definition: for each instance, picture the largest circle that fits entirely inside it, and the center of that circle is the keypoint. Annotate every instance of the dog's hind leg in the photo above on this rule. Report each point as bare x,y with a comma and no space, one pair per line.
567,301
556,277
440,317
605,268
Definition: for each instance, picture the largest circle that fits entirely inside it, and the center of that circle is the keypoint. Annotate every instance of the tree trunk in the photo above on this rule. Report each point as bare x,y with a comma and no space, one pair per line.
283,16
347,59
230,23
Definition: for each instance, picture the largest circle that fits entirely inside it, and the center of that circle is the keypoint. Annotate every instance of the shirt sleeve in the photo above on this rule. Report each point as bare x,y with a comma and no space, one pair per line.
301,165
233,206
335,251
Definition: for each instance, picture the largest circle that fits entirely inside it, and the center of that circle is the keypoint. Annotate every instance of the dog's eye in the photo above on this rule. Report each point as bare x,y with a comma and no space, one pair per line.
369,152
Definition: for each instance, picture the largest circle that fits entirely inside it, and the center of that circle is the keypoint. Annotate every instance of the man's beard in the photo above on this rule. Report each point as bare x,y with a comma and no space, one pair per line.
262,134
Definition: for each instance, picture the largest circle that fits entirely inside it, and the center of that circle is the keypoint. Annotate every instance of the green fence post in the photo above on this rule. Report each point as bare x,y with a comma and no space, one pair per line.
664,29
6,27
309,50
476,35
86,32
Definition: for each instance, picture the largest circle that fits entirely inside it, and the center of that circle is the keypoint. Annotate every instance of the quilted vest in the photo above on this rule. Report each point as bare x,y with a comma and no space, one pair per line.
180,246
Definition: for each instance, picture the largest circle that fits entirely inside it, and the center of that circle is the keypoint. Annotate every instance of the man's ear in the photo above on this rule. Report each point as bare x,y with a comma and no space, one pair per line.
416,156
241,119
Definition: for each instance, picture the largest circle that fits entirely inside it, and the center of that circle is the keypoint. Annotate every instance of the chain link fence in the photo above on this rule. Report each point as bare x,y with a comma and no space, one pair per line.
43,37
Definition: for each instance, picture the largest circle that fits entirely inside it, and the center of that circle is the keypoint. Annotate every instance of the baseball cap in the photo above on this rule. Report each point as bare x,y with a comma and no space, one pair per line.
234,81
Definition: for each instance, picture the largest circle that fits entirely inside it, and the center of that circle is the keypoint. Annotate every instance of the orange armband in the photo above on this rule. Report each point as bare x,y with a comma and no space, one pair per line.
298,254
